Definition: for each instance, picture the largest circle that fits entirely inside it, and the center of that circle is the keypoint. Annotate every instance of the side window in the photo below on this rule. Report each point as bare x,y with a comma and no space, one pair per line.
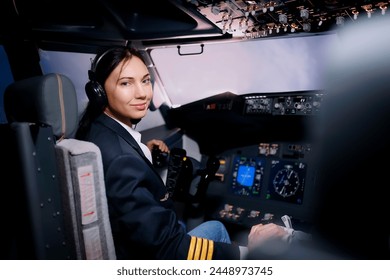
5,79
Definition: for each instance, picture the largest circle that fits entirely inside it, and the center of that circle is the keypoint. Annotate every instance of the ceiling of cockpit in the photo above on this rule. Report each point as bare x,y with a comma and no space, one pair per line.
79,24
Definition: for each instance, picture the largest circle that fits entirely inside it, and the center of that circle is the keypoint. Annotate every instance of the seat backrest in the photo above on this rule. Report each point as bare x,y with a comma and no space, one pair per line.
62,181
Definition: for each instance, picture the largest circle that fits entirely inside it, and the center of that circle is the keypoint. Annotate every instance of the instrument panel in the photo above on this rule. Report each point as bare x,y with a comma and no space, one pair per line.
294,104
263,182
264,142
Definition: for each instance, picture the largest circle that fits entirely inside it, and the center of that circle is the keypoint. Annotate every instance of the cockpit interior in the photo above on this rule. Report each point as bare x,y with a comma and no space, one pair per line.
239,91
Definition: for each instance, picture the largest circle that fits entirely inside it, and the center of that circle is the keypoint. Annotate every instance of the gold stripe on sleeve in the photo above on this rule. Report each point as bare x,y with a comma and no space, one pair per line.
191,249
204,249
210,250
198,248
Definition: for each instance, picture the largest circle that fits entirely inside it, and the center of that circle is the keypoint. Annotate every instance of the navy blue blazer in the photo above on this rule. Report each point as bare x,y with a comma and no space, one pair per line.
143,220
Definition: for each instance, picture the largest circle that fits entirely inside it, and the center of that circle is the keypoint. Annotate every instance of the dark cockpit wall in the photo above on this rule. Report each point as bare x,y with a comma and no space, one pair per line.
355,144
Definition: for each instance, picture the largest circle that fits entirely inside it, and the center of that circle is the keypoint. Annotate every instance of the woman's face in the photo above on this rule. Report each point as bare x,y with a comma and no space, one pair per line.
129,91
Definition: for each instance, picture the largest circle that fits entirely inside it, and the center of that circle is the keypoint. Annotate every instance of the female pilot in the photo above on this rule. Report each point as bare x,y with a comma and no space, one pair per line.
143,220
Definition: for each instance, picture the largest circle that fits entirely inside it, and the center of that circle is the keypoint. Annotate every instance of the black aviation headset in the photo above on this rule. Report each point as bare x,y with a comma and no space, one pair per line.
95,91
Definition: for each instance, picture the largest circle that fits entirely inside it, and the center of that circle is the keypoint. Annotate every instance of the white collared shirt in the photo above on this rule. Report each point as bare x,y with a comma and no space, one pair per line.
137,136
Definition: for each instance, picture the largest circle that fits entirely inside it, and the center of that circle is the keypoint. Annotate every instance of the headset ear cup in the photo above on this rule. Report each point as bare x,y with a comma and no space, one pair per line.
96,94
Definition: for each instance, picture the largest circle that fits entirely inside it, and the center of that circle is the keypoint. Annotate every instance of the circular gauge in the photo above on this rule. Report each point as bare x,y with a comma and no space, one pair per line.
286,182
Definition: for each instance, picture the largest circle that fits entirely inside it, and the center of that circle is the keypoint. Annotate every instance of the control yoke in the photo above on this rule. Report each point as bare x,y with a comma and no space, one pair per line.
185,182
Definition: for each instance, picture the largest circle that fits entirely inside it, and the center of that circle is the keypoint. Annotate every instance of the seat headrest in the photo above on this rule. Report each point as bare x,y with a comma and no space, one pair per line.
50,99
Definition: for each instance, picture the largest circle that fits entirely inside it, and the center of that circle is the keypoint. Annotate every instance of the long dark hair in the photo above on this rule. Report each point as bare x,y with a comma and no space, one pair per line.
104,63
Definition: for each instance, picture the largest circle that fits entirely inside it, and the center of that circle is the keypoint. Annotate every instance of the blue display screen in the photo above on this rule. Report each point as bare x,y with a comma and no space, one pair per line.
246,175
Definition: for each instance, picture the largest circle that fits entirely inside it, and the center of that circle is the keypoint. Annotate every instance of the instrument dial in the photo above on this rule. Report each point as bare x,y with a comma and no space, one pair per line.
286,181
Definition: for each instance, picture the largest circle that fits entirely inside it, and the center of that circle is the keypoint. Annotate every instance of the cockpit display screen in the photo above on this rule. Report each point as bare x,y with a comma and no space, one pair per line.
247,176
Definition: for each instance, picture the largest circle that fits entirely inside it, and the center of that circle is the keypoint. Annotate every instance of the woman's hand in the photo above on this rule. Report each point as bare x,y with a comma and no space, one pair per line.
159,144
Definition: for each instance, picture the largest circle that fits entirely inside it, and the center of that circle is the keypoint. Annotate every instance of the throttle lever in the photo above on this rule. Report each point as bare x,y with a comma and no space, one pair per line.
206,176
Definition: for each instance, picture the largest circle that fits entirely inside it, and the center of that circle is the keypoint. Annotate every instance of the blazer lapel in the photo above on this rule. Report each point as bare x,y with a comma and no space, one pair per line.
121,131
